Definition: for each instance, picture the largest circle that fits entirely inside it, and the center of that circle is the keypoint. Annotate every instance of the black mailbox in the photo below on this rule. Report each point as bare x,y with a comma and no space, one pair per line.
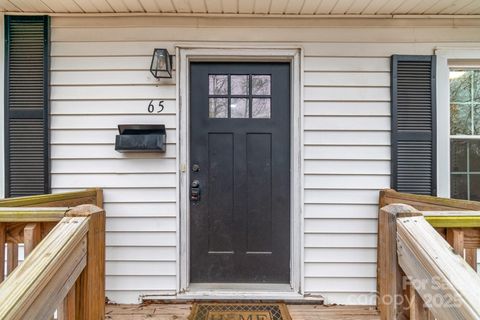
141,138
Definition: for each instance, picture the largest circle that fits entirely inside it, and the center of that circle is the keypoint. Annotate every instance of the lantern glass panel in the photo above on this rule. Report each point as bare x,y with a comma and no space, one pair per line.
161,66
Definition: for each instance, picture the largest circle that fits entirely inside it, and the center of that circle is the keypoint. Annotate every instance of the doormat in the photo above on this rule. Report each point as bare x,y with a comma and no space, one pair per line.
239,311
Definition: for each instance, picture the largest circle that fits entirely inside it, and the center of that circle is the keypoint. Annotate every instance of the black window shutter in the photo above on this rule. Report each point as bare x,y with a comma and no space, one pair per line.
414,124
26,105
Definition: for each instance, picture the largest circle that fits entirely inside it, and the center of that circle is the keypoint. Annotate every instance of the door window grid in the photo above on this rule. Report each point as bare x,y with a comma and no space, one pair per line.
249,97
465,133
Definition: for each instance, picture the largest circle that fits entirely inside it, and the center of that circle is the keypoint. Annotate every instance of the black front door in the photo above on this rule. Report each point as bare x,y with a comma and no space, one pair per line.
240,172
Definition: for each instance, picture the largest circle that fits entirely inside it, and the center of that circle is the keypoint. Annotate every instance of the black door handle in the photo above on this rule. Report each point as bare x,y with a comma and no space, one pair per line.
195,191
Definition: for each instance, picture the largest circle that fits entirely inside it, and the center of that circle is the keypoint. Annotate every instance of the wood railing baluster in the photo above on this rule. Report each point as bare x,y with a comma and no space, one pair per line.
455,237
32,235
12,256
416,305
471,257
66,311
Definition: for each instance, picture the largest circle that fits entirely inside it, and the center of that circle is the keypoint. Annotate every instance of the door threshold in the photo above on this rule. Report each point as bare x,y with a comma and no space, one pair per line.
240,291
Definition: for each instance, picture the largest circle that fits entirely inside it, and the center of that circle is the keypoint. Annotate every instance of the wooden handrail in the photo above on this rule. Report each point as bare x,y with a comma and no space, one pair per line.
29,219
409,247
453,219
41,282
441,278
66,270
18,214
67,199
15,214
459,226
426,203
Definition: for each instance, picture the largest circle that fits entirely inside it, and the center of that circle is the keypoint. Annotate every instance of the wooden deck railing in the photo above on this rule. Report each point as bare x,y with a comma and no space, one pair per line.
66,271
16,224
421,276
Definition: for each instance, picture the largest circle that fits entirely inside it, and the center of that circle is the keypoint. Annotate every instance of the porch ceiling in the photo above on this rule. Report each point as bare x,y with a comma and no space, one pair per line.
248,7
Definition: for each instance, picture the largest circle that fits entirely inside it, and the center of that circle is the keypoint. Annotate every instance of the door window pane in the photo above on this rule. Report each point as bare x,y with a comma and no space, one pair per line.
261,107
261,85
218,108
239,108
218,84
240,96
239,85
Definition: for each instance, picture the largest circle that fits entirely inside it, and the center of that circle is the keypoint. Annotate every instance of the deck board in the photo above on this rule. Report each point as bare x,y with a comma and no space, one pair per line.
181,311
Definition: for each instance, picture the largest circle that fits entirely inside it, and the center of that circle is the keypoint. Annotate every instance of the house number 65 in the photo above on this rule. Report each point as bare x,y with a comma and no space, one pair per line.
152,108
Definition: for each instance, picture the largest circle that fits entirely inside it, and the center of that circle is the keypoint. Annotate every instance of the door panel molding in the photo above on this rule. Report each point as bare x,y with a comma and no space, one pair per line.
188,53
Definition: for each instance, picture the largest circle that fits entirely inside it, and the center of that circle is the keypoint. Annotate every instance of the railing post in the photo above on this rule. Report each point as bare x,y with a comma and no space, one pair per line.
389,277
90,286
99,198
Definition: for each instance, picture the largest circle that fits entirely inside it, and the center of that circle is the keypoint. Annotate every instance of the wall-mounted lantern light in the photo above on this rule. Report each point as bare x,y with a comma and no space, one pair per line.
161,66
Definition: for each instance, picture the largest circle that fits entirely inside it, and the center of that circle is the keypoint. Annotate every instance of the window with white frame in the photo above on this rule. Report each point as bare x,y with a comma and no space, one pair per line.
465,133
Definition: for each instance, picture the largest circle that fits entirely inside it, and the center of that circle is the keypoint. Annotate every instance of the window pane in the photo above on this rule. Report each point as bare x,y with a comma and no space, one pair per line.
218,84
261,85
218,108
474,156
476,85
476,119
460,86
458,186
261,108
458,152
239,85
460,119
475,187
239,108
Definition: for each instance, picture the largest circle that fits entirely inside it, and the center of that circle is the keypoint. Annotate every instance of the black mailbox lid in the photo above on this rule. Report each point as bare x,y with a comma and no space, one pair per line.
132,129
141,138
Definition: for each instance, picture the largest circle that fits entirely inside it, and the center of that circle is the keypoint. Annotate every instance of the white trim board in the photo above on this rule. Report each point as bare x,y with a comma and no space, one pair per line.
186,54
446,58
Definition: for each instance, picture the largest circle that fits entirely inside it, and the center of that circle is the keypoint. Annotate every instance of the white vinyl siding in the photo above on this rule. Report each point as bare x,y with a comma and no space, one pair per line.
100,79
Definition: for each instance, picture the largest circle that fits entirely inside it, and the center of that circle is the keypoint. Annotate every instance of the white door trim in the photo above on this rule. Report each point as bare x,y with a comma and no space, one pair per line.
294,55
